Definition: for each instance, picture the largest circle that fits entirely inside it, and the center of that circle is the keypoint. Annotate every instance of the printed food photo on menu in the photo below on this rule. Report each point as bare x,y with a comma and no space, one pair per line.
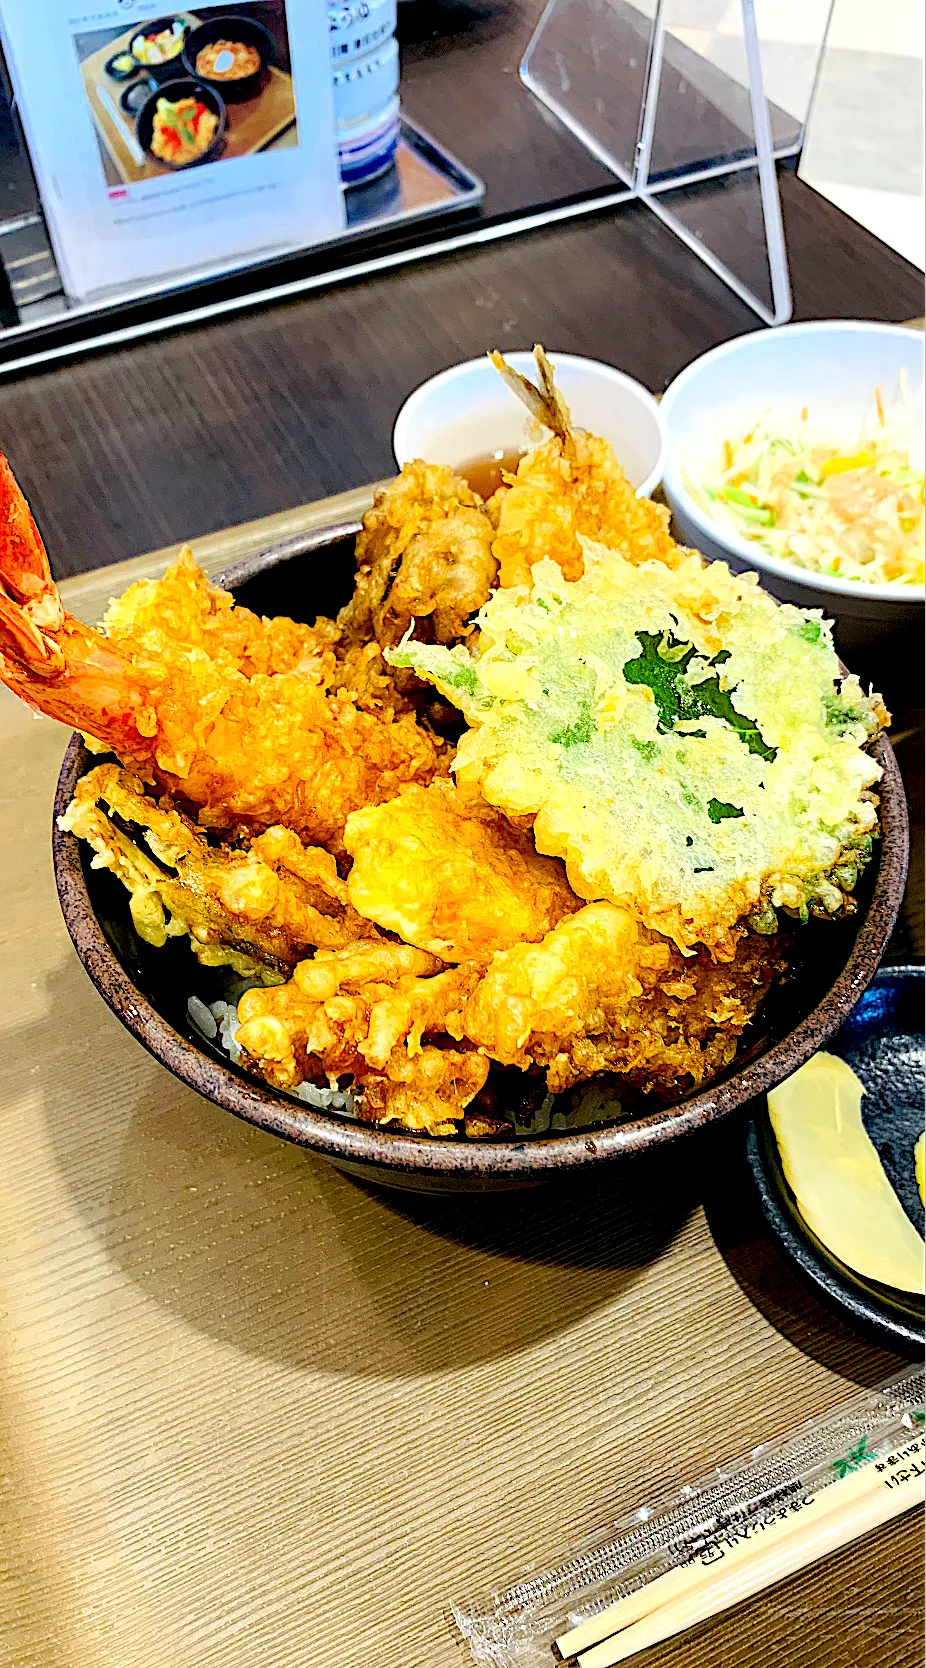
187,88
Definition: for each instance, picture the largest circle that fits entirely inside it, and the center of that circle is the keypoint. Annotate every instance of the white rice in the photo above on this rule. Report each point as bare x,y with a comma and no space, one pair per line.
219,1022
225,1015
332,1099
200,1016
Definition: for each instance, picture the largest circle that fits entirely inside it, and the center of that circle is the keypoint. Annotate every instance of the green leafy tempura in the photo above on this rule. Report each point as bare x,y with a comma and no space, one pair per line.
683,742
662,666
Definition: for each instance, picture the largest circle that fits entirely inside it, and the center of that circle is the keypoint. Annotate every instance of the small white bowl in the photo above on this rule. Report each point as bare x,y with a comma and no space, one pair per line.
468,412
832,368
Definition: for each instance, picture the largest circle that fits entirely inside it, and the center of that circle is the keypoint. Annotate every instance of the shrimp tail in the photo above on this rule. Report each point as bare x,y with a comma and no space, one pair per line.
29,602
545,403
59,666
22,641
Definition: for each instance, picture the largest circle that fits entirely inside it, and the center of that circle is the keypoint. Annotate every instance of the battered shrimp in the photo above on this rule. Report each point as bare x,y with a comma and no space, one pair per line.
246,728
571,485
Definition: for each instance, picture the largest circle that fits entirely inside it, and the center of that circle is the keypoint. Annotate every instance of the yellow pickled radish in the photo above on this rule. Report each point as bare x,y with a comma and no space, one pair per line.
919,1165
837,1178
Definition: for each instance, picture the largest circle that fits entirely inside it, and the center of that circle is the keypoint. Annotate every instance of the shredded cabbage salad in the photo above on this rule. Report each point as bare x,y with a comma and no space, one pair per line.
850,512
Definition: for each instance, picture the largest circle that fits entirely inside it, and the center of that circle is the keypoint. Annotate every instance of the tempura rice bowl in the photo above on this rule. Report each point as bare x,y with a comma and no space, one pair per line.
150,990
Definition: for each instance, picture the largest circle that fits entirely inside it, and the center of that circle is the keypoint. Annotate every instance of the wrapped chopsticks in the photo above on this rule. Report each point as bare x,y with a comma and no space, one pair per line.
775,1548
681,1559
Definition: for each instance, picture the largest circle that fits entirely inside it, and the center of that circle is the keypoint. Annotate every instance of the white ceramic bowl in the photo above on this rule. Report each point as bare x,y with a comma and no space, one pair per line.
468,412
831,368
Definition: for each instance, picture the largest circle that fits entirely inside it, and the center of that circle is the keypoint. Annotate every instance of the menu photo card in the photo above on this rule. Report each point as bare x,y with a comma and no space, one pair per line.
173,146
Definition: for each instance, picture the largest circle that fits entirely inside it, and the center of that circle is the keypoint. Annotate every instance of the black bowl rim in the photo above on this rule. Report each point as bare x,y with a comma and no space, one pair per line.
844,1291
400,1151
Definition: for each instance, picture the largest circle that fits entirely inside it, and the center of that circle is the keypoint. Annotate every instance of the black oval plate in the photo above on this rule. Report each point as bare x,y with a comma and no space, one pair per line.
882,1040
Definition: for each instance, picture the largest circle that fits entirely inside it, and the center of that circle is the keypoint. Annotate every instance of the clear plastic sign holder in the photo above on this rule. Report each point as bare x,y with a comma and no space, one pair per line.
671,96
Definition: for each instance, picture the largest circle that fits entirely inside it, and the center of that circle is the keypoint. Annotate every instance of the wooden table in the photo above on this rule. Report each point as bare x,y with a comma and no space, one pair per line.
225,423
254,1415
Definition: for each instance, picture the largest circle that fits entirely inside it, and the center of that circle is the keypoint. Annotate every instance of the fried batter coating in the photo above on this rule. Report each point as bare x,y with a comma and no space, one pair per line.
183,610
599,994
685,743
361,672
557,497
570,486
315,1023
279,750
154,619
452,875
425,554
327,714
242,722
602,994
252,909
429,1091
363,1012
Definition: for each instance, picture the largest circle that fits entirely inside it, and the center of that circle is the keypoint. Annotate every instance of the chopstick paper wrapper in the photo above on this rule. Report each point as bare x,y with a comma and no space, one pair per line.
687,1556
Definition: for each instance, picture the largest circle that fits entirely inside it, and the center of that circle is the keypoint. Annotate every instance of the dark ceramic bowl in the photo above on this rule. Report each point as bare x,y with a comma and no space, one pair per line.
882,1040
154,26
148,989
174,91
241,29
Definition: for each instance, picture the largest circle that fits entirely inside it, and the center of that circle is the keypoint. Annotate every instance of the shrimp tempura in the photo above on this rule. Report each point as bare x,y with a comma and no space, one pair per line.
571,485
247,722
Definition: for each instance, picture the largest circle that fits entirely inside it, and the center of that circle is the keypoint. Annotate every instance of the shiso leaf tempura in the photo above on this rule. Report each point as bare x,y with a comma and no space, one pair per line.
684,743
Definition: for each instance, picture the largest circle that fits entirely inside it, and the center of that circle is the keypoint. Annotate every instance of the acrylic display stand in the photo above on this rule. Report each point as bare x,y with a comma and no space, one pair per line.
678,111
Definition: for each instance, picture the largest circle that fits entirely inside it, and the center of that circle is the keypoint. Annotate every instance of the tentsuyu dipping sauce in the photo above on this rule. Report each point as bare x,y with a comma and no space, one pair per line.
484,474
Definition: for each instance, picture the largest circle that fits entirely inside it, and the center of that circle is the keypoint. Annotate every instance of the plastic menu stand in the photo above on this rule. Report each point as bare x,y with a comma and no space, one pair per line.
671,96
